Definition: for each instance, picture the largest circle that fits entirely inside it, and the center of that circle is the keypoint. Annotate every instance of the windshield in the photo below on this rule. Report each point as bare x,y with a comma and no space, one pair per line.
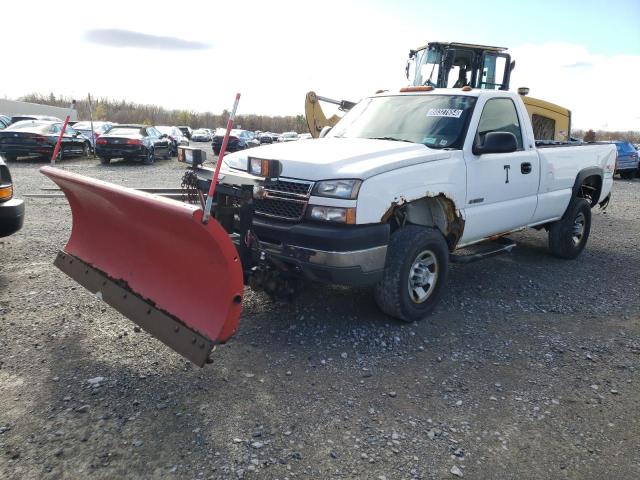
124,130
427,67
625,147
436,121
27,124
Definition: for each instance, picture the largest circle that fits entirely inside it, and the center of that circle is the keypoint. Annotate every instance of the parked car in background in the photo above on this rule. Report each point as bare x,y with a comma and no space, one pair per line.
201,135
289,137
5,121
29,138
175,136
137,142
265,138
11,209
186,131
627,159
19,118
99,129
305,136
238,140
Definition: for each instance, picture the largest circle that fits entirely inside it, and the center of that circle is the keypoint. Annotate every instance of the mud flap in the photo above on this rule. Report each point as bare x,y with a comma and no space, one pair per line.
153,260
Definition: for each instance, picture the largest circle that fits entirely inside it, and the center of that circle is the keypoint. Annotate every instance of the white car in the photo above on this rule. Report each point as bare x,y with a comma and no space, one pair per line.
289,137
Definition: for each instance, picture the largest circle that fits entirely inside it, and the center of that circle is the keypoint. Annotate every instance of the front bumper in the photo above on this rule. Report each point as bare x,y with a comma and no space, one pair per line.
11,216
344,255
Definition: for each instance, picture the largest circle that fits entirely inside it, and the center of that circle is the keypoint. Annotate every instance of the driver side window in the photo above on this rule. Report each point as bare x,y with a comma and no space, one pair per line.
499,115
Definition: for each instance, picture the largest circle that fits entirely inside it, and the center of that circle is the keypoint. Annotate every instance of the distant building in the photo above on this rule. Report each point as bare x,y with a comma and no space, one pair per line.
11,107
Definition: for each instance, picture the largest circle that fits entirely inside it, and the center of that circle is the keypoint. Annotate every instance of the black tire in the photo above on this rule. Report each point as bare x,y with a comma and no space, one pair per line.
628,174
406,247
150,157
60,156
216,151
569,235
86,148
105,160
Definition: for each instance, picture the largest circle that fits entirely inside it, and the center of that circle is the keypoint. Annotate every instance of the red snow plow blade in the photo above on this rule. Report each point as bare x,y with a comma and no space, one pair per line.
153,260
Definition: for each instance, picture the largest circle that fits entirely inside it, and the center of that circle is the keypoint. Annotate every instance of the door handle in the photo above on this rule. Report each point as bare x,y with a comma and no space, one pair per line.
525,167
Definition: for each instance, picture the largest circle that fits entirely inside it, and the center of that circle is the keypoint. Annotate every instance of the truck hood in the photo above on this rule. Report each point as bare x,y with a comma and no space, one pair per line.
329,158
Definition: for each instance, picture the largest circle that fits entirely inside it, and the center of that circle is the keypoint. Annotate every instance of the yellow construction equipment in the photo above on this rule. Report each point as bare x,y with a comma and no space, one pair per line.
457,65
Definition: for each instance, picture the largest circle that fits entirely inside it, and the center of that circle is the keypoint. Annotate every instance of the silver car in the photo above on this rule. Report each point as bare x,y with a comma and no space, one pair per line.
99,128
175,136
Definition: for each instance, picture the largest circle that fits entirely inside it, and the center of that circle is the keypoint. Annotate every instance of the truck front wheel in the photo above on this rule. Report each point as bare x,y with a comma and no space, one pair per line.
414,274
568,236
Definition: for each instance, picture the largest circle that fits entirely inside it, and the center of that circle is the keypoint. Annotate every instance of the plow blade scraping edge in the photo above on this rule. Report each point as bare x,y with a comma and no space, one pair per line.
153,259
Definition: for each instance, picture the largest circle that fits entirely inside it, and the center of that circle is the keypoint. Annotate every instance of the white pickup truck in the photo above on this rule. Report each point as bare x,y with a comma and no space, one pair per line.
406,179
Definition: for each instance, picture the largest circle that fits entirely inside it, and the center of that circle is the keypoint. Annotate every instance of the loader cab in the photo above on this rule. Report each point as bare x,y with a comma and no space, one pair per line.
455,65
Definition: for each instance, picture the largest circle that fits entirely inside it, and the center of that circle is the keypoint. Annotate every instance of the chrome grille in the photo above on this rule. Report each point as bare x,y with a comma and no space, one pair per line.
289,187
285,200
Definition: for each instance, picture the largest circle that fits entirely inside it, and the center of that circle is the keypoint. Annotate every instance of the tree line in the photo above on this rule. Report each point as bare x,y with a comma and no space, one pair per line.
121,111
605,136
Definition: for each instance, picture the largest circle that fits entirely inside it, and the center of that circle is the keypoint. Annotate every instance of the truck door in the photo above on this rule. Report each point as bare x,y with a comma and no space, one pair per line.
502,188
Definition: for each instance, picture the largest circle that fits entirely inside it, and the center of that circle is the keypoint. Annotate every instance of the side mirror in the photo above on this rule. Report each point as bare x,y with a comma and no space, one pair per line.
497,142
326,129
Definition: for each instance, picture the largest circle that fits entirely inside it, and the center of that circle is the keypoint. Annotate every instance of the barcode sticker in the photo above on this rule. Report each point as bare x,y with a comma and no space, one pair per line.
444,112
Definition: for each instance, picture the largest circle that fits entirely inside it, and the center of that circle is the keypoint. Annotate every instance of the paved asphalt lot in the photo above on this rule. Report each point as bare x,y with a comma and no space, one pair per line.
527,369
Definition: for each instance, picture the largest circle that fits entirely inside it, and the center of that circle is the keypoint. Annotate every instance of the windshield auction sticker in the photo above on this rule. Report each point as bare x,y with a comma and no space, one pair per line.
444,112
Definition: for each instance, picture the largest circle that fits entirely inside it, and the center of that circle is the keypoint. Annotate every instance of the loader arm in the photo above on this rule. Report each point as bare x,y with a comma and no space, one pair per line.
315,116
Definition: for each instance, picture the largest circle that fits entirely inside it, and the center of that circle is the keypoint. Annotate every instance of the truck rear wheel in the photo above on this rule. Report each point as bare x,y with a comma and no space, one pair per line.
415,273
568,236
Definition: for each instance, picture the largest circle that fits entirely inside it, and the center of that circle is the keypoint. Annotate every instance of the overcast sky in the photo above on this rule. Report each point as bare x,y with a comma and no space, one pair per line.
584,55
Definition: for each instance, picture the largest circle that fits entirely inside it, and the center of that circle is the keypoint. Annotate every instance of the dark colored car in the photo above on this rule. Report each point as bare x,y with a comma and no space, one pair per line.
46,118
627,160
238,140
133,142
29,138
11,209
265,138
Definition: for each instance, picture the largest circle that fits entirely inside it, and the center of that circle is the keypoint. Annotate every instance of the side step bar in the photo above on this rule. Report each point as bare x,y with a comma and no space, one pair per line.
158,323
500,245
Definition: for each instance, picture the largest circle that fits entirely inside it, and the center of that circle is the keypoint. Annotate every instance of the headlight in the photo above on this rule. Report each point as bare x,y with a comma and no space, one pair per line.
264,168
338,188
333,214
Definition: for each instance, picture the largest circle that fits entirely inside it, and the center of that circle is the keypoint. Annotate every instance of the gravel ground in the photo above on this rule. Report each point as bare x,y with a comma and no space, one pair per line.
527,369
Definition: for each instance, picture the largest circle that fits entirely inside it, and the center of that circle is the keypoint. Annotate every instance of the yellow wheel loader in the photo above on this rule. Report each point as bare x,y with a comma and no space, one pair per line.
458,65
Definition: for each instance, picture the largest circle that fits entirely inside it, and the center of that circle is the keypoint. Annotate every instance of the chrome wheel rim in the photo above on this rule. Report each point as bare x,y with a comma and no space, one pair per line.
578,229
423,276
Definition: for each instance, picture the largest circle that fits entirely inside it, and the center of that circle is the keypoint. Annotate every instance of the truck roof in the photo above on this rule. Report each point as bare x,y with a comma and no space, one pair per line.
464,45
475,92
